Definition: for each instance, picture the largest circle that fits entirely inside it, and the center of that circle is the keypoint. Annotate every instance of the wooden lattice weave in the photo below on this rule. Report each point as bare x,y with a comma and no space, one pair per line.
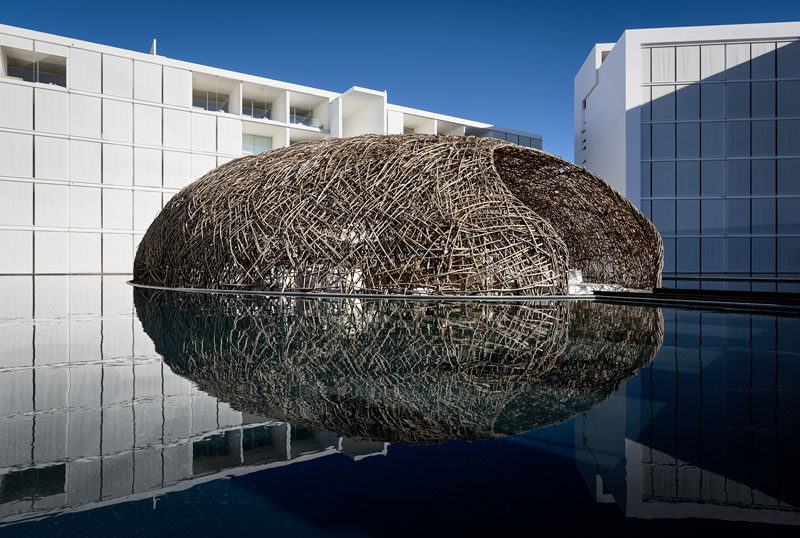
399,214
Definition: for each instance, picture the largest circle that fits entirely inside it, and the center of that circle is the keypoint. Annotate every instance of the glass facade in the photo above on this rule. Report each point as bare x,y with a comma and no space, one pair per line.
216,102
35,66
304,117
721,157
253,144
256,109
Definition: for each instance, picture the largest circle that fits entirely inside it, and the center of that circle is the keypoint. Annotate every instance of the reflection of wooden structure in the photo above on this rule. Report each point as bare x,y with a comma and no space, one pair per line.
413,372
399,214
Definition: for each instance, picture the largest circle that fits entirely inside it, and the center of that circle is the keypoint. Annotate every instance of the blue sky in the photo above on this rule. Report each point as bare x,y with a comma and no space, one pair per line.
509,63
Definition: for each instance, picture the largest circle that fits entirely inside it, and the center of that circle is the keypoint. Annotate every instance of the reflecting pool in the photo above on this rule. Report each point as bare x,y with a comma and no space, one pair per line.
129,411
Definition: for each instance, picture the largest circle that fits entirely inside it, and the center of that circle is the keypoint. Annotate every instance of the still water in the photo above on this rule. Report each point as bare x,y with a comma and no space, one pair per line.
133,412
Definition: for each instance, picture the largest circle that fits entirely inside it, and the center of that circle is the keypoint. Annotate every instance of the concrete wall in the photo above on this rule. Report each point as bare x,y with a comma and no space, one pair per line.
602,123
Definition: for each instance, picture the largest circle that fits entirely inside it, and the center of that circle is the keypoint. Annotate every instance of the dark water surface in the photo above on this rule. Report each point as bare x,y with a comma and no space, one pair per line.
132,412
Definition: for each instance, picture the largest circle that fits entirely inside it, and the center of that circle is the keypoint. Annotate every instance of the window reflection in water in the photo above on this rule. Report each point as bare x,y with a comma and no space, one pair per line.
99,402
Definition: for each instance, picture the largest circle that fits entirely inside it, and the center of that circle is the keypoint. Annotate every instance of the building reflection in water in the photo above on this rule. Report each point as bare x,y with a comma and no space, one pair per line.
92,414
711,428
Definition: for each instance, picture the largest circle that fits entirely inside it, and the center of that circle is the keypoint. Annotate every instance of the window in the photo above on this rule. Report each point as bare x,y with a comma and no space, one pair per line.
213,101
304,117
254,144
256,109
34,66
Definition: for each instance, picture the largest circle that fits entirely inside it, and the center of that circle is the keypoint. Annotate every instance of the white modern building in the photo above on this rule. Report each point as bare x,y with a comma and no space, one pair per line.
700,128
94,140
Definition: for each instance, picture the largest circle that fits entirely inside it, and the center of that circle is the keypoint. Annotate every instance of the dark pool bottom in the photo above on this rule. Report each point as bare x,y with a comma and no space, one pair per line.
375,418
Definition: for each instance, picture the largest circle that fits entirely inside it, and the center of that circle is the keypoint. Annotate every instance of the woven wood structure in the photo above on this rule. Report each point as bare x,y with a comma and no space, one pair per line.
416,372
399,214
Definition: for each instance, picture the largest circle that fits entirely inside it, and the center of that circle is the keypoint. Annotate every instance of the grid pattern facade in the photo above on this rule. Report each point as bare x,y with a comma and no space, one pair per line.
719,411
721,157
86,167
94,141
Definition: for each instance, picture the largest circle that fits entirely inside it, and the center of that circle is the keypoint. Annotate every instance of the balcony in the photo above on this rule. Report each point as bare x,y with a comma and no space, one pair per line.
213,101
256,109
308,110
305,118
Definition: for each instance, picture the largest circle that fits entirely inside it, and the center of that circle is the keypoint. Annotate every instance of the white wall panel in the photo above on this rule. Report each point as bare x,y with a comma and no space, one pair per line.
201,164
117,164
117,253
84,252
117,299
85,298
16,203
52,158
52,205
204,132
788,60
85,161
21,244
117,209
229,136
763,60
45,47
146,206
84,207
712,62
16,42
52,252
84,116
16,106
17,339
663,103
663,59
17,290
737,61
146,81
84,70
147,125
117,120
147,167
394,119
177,129
688,63
50,301
177,87
17,155
117,76
52,111
177,169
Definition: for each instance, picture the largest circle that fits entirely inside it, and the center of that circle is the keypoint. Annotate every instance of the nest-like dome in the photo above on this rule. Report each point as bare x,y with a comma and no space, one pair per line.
399,214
